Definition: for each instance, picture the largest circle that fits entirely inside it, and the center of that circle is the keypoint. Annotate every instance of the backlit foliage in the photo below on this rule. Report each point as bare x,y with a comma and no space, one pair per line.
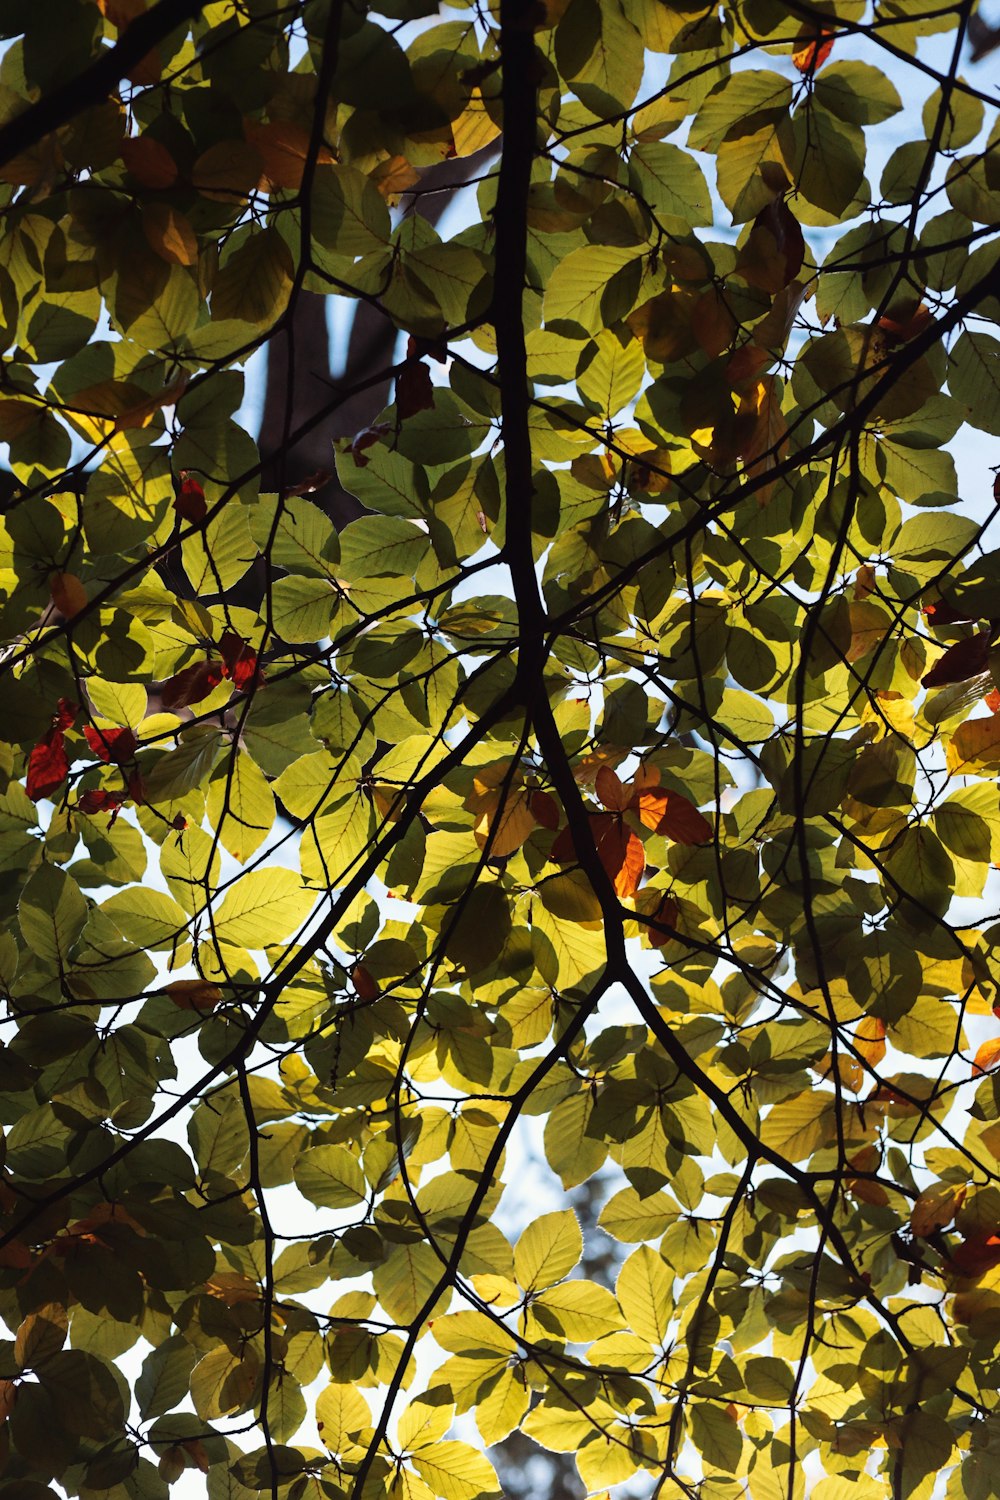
624,780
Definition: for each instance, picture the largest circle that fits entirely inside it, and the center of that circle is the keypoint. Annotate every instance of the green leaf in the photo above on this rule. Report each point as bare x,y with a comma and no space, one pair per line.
577,285
974,379
255,280
330,1176
147,919
52,912
671,182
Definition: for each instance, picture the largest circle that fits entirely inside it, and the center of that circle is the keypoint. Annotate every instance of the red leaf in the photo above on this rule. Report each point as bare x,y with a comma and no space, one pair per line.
118,745
563,848
666,914
97,800
963,660
189,502
414,390
813,53
544,809
65,714
940,612
48,766
615,796
239,660
190,685
992,701
673,815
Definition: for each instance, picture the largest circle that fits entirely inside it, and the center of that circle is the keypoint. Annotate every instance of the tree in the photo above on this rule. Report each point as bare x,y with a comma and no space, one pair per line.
619,771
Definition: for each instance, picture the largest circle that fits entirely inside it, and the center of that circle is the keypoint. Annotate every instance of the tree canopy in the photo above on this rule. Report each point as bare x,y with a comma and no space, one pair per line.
621,777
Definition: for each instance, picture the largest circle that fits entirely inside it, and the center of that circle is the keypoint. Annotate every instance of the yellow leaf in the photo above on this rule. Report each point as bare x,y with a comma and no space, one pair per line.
799,1126
341,1414
936,1207
974,746
455,1471
548,1250
422,1425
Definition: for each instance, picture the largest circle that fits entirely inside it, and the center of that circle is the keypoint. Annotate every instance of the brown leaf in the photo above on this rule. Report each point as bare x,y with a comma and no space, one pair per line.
365,984
774,250
665,915
609,788
976,1255
414,389
963,660
8,1395
283,148
149,162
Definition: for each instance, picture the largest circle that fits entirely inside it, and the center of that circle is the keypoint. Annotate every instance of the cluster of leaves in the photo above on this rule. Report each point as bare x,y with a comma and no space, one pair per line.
326,870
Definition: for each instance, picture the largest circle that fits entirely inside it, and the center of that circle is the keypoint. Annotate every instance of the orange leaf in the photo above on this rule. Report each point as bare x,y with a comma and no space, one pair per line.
673,815
813,53
68,594
169,234
283,148
193,994
992,700
987,1057
621,853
